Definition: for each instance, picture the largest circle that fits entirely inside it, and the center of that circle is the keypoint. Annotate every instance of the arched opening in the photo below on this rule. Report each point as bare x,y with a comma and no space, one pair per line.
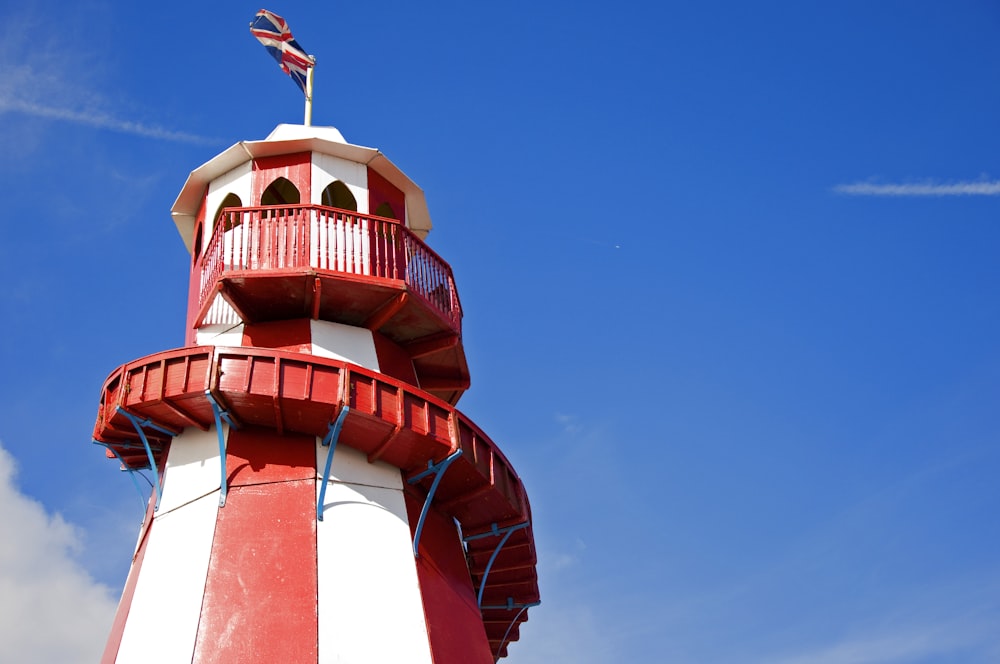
232,230
196,248
230,201
280,192
337,195
385,210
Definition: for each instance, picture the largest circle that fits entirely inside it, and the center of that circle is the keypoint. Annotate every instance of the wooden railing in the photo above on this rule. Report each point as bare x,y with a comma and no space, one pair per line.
326,239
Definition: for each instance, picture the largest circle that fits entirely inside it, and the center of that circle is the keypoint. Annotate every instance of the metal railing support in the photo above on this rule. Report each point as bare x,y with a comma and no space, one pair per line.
330,440
510,607
138,424
494,531
221,414
131,472
437,469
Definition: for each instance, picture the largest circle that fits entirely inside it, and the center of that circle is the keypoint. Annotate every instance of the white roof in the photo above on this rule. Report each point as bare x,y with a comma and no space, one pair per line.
288,139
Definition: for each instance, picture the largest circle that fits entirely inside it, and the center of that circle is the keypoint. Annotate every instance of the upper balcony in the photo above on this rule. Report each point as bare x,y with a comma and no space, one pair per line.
292,261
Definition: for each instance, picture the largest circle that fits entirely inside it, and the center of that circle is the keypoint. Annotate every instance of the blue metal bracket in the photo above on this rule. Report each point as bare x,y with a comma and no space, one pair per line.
510,607
220,415
138,424
494,532
131,472
437,469
330,439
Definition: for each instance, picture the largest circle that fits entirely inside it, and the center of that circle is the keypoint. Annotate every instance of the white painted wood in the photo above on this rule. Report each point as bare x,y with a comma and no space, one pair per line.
335,244
351,466
162,622
237,252
292,132
193,467
344,342
339,243
327,168
220,334
369,603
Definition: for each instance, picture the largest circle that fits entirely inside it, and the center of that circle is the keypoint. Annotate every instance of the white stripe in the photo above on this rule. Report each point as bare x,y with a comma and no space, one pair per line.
369,603
162,622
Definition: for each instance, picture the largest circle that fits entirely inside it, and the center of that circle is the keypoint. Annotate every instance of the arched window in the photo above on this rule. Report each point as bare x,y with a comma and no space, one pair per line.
230,201
196,248
280,192
385,210
337,195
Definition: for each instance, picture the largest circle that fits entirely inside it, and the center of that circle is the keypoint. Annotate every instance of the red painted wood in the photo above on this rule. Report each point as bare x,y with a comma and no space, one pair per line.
260,597
258,456
454,624
382,191
296,168
290,335
393,360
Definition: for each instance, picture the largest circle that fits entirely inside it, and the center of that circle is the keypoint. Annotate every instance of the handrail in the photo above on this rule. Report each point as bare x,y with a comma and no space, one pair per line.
330,240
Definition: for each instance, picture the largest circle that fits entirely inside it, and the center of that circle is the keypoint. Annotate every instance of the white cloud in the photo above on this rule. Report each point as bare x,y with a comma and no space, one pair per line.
569,423
928,188
960,640
51,610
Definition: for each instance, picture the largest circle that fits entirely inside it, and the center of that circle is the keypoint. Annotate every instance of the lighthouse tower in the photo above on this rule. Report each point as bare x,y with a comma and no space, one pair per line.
316,496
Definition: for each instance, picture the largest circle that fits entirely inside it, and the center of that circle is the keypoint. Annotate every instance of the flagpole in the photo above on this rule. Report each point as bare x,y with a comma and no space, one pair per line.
309,93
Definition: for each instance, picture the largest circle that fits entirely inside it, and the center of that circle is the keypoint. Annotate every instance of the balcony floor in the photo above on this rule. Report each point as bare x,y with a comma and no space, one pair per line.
384,306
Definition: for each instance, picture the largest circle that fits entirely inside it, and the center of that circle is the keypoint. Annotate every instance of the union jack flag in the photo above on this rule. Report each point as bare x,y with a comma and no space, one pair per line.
272,31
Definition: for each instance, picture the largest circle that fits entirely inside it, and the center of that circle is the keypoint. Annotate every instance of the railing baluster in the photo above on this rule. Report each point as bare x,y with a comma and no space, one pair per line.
377,230
374,259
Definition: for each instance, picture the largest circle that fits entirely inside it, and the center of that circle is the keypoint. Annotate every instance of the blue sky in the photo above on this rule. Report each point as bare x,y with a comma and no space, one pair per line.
729,275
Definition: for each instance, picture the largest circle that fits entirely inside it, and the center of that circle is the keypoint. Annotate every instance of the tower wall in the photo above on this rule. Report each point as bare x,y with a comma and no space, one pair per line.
262,580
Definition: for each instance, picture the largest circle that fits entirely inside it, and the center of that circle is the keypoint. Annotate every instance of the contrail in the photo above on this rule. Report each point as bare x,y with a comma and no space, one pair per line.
103,121
978,188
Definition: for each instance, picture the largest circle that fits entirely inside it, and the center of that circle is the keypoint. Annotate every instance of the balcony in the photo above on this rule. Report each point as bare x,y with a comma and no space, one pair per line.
386,419
328,240
295,261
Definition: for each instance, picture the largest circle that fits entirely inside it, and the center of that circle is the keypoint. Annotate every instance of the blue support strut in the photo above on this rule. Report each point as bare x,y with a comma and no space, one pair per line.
438,471
131,472
510,607
221,414
330,439
494,531
138,424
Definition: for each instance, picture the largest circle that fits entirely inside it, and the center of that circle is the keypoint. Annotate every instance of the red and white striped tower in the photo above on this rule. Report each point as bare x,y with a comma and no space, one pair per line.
316,495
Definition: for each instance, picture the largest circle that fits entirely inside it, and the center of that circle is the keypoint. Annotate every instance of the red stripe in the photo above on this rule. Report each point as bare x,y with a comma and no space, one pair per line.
454,623
260,598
